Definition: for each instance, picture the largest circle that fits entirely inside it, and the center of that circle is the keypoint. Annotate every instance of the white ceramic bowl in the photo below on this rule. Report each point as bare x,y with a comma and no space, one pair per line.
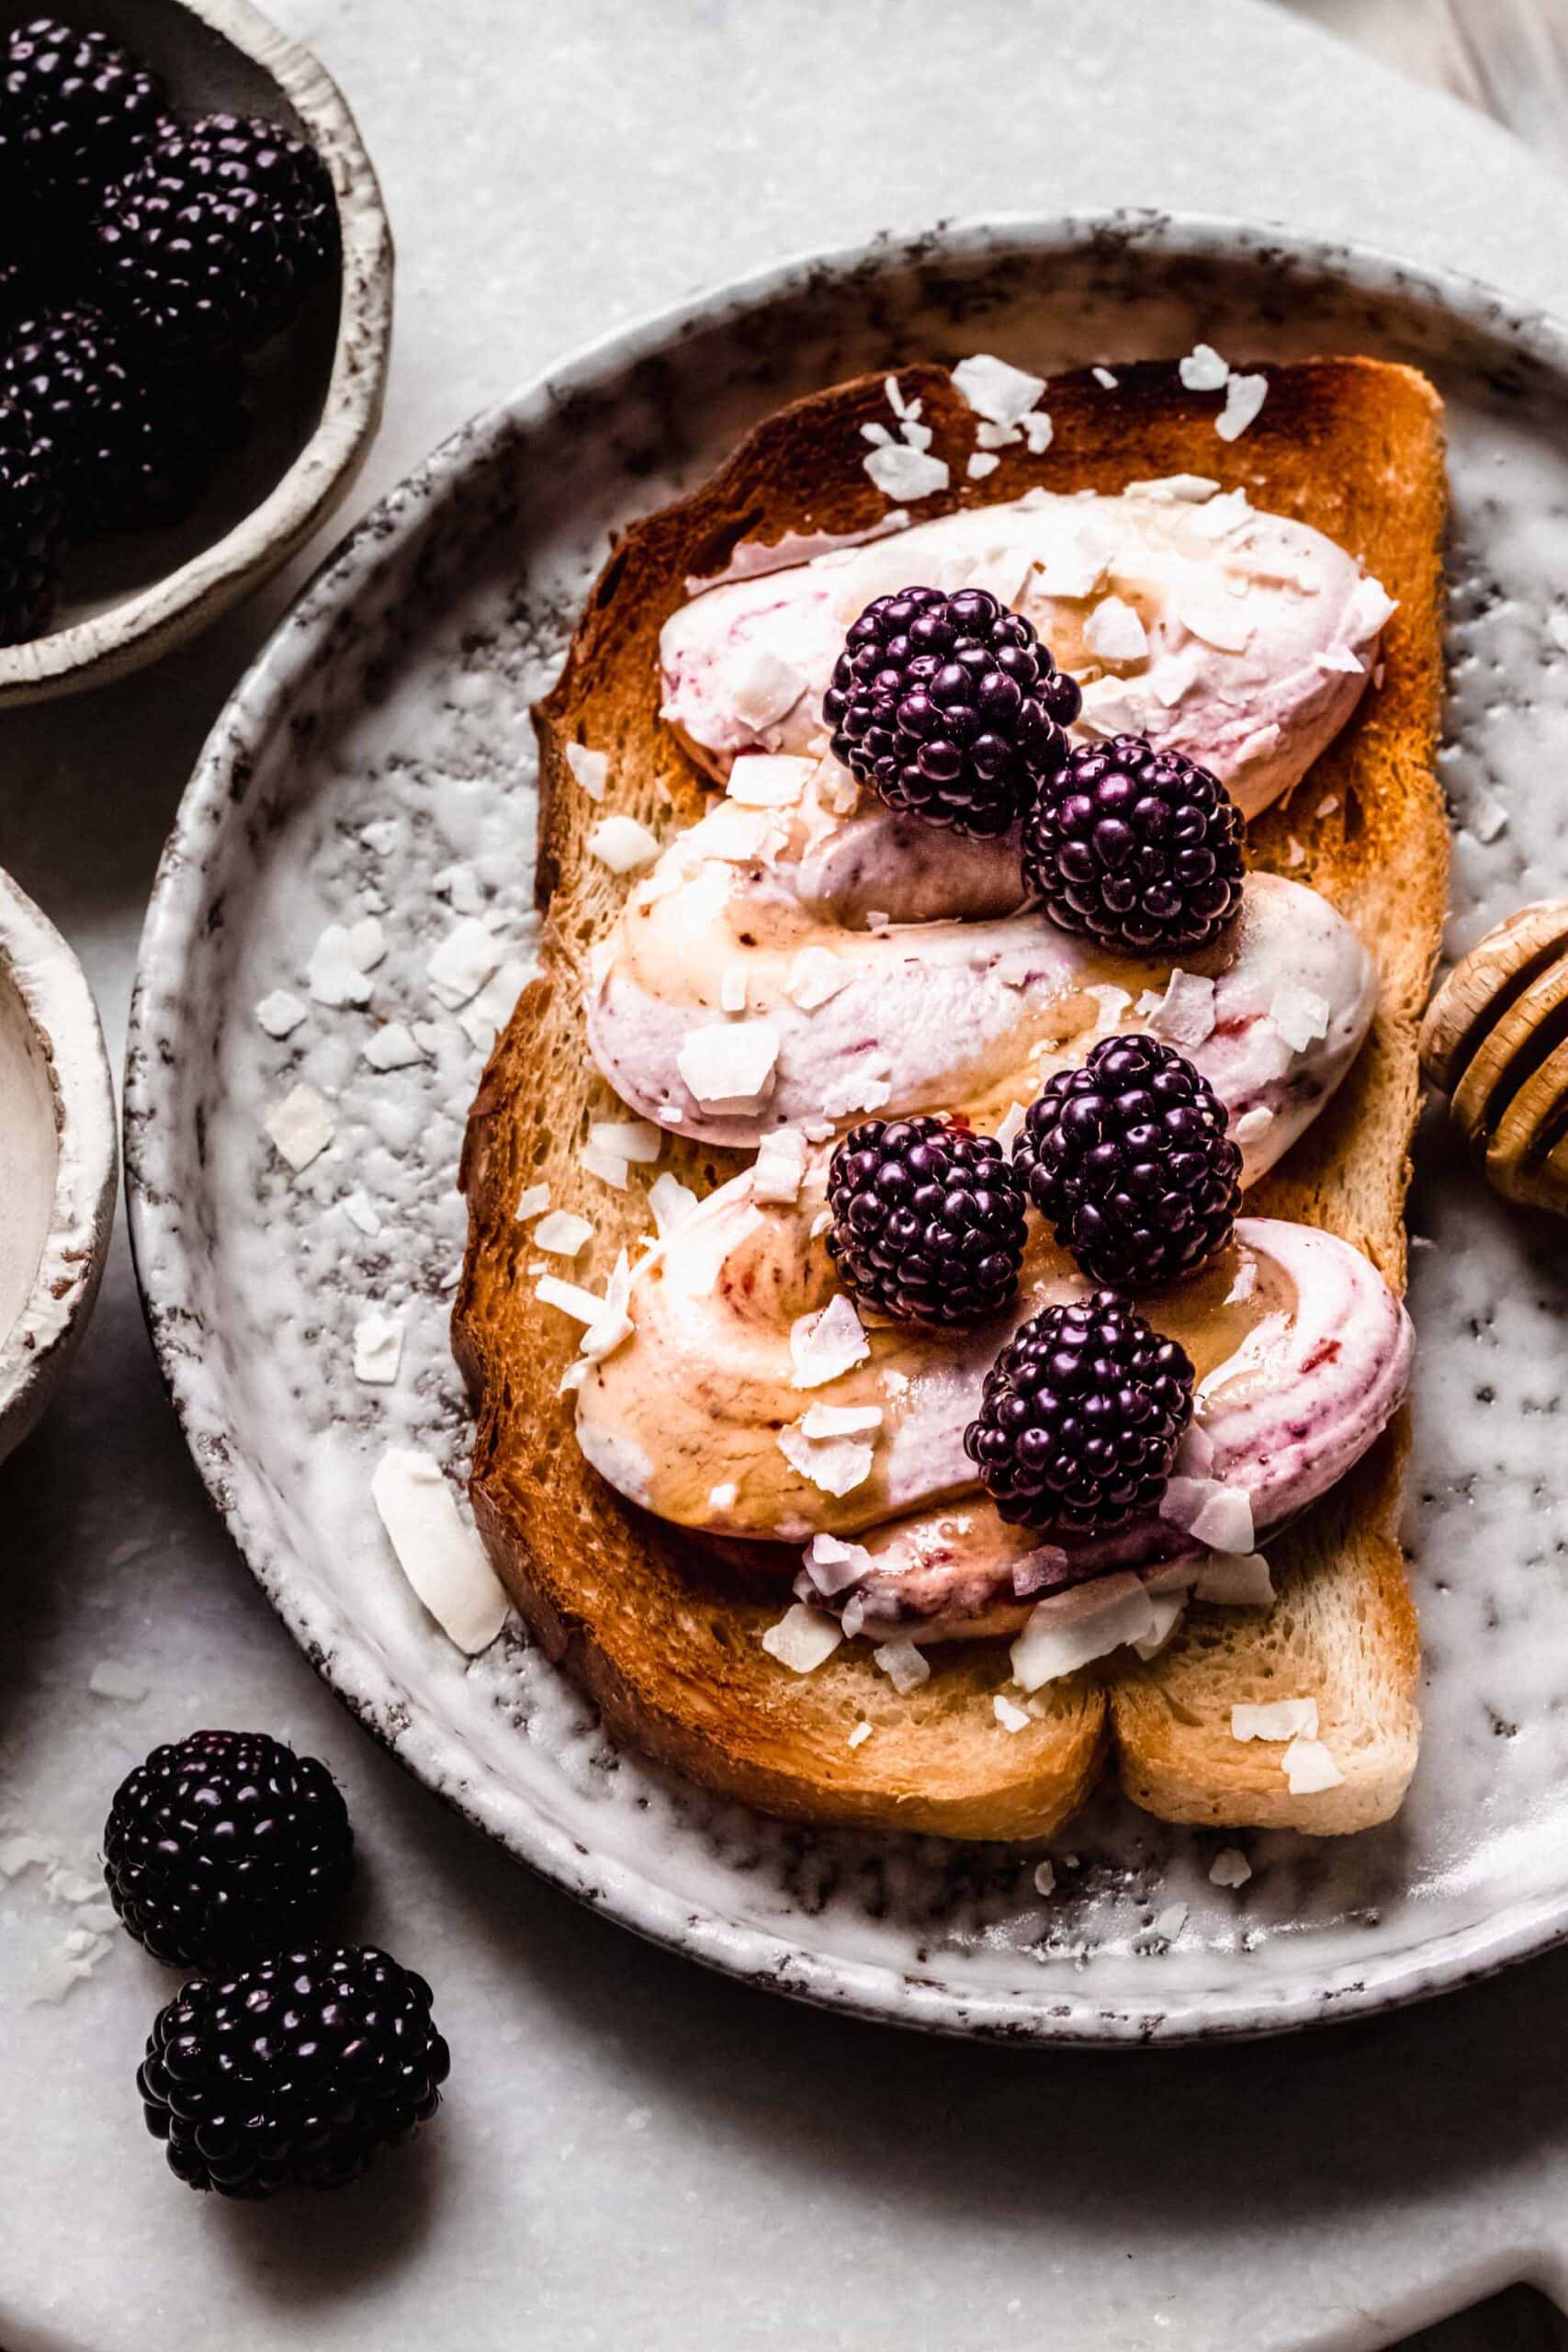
316,392
57,1159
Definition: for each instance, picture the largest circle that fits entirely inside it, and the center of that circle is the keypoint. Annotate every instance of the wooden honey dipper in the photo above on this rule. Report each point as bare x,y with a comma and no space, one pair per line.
1495,1042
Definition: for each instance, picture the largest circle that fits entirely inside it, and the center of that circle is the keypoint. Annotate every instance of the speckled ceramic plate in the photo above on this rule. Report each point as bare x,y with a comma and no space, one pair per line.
382,741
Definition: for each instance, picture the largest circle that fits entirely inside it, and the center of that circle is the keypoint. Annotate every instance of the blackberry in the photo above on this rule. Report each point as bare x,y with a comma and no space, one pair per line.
30,531
133,442
928,1219
947,707
1131,1160
295,2073
16,290
220,234
78,112
1138,848
1080,1418
225,1845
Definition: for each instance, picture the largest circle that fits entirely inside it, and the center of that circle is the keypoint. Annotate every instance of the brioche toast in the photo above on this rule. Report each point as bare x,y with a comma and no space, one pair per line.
665,1631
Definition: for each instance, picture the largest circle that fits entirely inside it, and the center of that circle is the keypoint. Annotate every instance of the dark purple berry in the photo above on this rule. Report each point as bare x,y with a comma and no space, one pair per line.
1080,1418
945,706
220,234
30,530
1131,1160
132,439
293,2074
1136,847
78,112
224,1846
928,1219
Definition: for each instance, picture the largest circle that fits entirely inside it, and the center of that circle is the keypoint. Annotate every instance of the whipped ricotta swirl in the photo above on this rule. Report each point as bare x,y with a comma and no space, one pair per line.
1242,638
753,1400
741,990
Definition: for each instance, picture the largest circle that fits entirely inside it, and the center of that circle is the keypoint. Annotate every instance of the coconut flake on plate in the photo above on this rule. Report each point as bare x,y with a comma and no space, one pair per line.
392,1047
377,1349
482,1021
1114,631
336,976
823,1346
1185,1014
1245,395
1299,1014
280,1012
459,886
804,1638
463,961
780,1166
589,769
440,1555
623,844
300,1126
112,1678
671,1203
362,1213
769,779
1237,1579
1276,1720
562,1234
1230,1867
1309,1768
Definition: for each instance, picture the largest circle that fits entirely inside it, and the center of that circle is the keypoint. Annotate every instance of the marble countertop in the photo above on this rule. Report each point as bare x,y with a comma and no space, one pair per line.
633,2150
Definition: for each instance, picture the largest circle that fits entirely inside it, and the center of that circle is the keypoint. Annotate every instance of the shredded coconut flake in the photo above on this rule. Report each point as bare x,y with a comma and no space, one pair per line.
392,1047
636,1139
780,1166
623,844
301,1127
1230,1867
833,1566
907,475
981,462
1038,432
1203,370
1254,1123
732,990
1238,1579
836,1465
993,389
338,968
111,1680
591,769
562,1234
671,1203
859,1735
1185,1014
532,1201
1299,1014
280,1012
464,961
1309,1768
377,1349
1339,658
903,1664
1276,1719
815,976
1047,1649
1116,633
1011,1717
441,1556
729,1065
769,779
1046,1877
1245,395
823,1346
804,1638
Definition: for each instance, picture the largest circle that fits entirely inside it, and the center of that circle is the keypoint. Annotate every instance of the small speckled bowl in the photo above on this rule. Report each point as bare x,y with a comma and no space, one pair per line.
315,393
57,1159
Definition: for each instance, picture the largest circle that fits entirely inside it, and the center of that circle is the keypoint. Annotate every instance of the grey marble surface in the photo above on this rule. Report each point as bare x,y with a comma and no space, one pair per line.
634,2151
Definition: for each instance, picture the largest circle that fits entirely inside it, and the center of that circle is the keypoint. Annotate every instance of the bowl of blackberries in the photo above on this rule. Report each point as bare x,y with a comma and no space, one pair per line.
195,318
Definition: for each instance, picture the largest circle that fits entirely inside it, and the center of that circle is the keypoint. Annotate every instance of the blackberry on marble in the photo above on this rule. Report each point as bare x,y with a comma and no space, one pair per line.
226,1844
293,2074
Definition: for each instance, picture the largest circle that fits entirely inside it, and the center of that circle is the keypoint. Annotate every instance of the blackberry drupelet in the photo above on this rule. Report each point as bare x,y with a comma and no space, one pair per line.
928,1219
946,707
30,531
1131,1160
78,112
16,291
132,441
224,1845
220,234
1136,847
294,2072
1080,1418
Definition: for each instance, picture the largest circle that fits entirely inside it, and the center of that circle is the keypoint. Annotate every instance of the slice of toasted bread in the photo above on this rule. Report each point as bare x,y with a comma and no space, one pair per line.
666,1636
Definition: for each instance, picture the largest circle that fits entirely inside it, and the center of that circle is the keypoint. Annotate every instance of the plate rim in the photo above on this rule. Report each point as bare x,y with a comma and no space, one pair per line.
1054,2013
